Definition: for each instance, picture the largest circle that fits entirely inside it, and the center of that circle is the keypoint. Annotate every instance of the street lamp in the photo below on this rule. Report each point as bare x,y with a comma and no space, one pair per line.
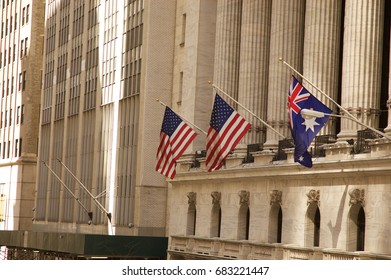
316,114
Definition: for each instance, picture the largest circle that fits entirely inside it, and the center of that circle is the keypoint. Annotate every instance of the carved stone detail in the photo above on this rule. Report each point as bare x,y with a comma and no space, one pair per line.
313,197
357,197
216,197
244,197
275,197
192,198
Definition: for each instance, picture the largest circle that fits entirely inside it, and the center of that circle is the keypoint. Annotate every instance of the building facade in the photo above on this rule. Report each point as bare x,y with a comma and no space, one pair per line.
22,31
90,188
103,70
262,205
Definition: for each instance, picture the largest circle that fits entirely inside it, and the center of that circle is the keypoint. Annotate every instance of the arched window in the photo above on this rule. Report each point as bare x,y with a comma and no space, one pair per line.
215,228
356,228
312,226
191,214
191,219
275,223
244,222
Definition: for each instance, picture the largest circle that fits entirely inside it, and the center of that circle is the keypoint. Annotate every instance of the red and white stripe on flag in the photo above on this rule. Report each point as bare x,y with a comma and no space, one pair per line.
172,147
221,143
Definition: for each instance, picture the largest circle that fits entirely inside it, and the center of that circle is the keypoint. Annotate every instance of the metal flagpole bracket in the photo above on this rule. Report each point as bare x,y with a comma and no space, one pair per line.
89,213
100,206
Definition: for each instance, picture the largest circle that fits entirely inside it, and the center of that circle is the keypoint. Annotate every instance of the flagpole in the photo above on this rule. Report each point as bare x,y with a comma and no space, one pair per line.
192,124
351,117
251,113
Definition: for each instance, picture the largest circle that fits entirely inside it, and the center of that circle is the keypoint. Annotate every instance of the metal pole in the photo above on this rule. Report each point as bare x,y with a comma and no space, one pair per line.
308,113
66,187
87,191
251,113
192,124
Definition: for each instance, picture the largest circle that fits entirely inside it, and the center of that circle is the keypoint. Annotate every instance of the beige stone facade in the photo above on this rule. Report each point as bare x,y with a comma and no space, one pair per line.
271,207
22,32
104,65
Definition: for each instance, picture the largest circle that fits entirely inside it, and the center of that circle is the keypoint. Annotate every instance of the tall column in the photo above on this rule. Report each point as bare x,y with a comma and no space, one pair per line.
387,130
226,66
362,64
322,51
254,64
286,41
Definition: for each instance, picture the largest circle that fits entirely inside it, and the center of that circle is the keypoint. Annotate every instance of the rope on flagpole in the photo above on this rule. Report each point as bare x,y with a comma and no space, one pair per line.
243,107
192,124
350,116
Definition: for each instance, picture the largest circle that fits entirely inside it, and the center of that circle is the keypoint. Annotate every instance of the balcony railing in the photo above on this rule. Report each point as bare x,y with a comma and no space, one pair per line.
191,247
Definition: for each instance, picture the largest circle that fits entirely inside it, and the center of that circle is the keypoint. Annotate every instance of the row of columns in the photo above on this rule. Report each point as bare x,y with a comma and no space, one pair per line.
251,36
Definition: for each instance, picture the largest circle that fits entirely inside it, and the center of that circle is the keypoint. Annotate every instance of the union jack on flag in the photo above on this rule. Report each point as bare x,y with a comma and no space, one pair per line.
304,130
226,129
175,137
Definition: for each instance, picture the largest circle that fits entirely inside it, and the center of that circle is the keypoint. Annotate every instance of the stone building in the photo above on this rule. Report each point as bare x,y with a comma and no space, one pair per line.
262,205
21,45
104,64
97,193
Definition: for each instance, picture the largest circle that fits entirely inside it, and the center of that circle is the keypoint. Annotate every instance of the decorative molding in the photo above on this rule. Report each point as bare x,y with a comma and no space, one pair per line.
275,197
244,197
357,197
192,198
313,197
216,197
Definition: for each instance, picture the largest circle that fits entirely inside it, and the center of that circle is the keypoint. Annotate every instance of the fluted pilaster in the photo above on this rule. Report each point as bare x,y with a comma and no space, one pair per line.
226,68
254,64
322,51
387,130
286,41
362,64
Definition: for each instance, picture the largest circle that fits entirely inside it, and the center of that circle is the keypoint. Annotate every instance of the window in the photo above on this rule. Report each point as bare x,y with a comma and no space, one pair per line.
191,214
22,114
24,80
312,226
10,122
20,81
21,48
18,115
25,46
244,222
356,228
16,153
191,219
4,150
23,15
275,224
2,205
5,118
215,228
27,13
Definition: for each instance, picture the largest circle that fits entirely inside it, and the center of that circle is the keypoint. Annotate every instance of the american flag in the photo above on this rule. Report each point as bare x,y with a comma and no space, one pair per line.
226,128
175,137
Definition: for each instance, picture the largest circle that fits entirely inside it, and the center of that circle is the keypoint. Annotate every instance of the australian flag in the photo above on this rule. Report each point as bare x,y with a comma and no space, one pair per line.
304,129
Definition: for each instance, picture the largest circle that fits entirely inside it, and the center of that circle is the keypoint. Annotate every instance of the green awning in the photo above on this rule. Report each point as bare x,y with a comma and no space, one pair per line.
88,245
